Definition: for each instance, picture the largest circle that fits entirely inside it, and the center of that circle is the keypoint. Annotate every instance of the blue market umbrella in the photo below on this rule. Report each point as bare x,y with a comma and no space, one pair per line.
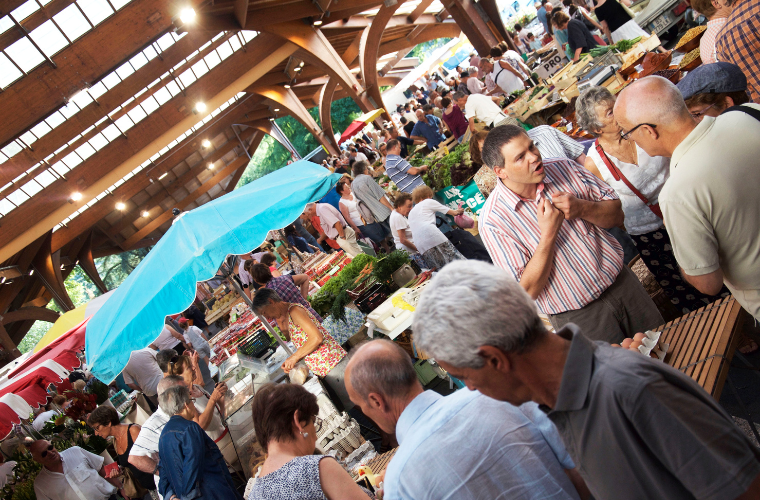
191,251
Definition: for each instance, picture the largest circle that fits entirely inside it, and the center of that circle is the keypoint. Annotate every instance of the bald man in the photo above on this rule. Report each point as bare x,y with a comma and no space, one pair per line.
710,202
494,447
72,474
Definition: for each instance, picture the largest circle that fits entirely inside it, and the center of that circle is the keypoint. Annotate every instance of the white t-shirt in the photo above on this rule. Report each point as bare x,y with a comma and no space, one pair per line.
42,419
146,444
505,79
6,472
422,223
166,340
143,371
360,156
80,479
410,116
399,223
353,210
194,338
483,108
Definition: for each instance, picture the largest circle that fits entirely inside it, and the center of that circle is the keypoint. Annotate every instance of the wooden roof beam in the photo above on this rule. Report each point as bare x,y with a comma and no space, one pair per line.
156,131
45,89
368,53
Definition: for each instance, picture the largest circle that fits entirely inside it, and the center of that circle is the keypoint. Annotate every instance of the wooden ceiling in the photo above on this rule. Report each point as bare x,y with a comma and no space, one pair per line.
107,112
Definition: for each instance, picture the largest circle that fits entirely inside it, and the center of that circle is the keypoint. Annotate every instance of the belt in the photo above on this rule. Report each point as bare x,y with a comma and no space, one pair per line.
501,117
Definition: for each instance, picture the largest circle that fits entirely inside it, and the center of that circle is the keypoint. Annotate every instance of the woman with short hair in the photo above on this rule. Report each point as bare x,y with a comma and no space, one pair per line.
190,463
637,178
104,420
579,38
286,423
454,118
314,344
436,249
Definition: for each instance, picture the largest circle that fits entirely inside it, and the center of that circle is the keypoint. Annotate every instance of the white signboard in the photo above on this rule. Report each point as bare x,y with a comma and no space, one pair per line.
549,66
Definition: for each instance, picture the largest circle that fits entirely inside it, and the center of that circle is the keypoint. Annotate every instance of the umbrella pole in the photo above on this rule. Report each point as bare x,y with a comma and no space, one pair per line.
250,305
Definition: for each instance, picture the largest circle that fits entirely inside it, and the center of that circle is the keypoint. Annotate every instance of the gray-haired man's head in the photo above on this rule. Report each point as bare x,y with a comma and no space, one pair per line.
174,399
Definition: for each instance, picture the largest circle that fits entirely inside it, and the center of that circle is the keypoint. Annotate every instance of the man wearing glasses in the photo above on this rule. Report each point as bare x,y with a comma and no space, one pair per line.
73,474
710,203
544,222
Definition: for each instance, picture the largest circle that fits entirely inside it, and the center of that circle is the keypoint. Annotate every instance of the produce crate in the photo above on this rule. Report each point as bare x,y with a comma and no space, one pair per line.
256,345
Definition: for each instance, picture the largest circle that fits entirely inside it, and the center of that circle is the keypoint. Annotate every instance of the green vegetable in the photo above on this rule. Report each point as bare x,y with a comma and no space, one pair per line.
536,90
622,46
324,301
389,264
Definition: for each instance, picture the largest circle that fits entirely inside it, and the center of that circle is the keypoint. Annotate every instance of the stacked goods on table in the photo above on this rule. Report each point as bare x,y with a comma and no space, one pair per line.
228,341
691,60
325,270
453,169
690,40
324,300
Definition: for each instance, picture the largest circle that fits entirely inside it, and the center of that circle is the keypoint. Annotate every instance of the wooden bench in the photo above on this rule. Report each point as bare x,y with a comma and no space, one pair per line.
703,342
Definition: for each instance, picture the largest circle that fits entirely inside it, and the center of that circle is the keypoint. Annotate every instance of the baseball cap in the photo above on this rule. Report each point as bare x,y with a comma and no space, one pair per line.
715,78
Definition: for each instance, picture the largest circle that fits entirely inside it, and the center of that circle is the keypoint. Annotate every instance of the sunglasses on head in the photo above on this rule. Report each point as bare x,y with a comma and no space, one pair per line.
45,452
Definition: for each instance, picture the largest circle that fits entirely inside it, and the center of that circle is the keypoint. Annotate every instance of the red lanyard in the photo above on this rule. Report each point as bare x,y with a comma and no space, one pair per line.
618,175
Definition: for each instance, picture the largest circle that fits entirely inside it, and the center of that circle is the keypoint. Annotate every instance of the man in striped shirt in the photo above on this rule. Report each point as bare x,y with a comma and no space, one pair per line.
544,223
405,176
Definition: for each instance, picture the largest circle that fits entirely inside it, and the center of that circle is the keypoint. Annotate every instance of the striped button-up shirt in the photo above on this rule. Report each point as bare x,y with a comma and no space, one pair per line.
707,42
397,169
739,43
587,259
552,143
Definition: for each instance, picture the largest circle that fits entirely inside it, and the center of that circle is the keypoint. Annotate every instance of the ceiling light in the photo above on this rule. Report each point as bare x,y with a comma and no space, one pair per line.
187,15
301,64
3,280
206,143
297,69
120,206
62,267
276,110
31,273
163,175
318,22
271,119
287,85
144,213
200,107
210,166
76,196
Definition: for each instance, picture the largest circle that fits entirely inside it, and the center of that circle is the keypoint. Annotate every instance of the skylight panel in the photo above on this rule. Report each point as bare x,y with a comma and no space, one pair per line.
27,138
111,132
98,142
125,70
165,41
72,22
85,151
25,55
18,197
55,119
81,98
149,105
199,69
249,35
60,168
111,80
6,23
72,160
136,114
45,178
49,38
173,88
95,10
9,73
162,95
187,78
41,129
139,61
235,43
150,52
224,50
69,110
25,10
118,4
212,59
12,149
98,90
6,206
124,123
31,188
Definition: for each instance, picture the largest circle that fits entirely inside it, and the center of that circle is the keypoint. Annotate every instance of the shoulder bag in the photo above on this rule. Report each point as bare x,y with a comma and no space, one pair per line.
618,175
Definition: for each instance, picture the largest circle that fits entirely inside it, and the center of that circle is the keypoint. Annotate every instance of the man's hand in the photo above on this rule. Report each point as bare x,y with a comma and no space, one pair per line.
549,218
571,206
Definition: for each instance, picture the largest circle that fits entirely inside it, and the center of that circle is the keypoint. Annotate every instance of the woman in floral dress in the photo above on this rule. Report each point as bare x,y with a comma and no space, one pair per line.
314,344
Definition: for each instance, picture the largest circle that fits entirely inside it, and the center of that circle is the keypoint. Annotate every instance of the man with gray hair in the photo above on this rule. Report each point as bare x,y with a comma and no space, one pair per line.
635,428
144,453
711,213
496,447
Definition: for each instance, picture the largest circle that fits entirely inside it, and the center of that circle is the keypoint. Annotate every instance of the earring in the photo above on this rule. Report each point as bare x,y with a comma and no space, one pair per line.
305,434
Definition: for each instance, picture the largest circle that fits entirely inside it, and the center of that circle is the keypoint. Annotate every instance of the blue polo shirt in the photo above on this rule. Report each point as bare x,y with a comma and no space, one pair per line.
430,131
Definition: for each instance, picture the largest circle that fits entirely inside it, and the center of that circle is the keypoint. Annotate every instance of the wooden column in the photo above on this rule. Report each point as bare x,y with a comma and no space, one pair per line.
7,343
326,94
468,16
369,47
87,263
47,265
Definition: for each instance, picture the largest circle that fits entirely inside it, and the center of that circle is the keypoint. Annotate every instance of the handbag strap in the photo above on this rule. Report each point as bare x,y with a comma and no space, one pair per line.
618,175
753,112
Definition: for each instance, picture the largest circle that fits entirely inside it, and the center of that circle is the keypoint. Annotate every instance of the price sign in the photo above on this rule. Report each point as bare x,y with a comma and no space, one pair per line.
549,66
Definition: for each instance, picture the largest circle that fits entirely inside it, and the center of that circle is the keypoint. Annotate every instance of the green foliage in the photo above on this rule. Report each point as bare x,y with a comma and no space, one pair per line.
303,140
389,264
342,113
424,50
269,157
99,389
114,269
327,299
26,470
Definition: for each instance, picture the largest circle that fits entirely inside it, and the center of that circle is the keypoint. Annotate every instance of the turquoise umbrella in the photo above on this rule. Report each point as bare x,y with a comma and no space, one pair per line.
191,251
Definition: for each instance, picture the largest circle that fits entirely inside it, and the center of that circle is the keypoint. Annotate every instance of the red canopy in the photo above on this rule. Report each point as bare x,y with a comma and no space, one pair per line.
62,350
33,387
352,129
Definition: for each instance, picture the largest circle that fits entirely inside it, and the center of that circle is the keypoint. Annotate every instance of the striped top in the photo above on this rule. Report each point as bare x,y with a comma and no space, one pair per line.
587,258
552,143
397,168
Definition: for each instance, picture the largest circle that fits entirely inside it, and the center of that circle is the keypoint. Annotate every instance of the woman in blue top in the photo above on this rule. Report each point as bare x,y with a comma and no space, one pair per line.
191,465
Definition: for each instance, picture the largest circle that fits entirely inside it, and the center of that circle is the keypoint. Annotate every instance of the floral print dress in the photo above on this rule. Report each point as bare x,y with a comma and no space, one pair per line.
326,356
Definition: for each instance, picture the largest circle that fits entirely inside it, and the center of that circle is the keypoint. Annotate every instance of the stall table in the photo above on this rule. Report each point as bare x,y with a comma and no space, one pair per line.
703,342
218,314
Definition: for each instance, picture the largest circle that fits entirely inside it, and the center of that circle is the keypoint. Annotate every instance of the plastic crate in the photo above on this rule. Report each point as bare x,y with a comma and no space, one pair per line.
425,372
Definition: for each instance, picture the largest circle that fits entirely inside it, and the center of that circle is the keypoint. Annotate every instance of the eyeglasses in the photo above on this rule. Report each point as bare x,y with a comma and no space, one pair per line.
699,114
317,424
626,135
45,452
